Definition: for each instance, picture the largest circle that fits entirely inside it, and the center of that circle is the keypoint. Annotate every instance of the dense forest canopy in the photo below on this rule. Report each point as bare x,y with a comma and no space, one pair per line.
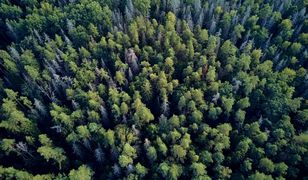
153,89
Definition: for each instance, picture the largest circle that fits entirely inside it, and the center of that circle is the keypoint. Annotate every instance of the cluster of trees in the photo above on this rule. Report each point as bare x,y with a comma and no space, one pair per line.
173,89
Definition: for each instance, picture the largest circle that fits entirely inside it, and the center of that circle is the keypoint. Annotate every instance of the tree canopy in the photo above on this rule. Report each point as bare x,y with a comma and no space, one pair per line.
161,89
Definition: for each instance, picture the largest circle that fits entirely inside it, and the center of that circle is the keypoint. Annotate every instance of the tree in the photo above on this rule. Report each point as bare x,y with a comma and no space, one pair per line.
280,169
15,120
170,89
303,38
124,160
197,116
7,145
198,169
142,114
60,115
127,156
286,30
254,132
87,12
259,176
203,35
143,6
163,169
171,21
175,171
214,112
134,36
141,170
211,75
237,33
227,50
211,46
266,165
147,90
302,116
161,146
49,152
227,103
79,35
11,172
241,149
246,166
8,62
83,172
172,171
178,152
223,172
240,116
9,11
151,153
243,103
295,48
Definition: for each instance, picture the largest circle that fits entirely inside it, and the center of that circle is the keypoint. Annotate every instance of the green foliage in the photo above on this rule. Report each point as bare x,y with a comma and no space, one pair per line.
198,169
142,5
151,153
8,63
83,172
14,120
259,176
141,170
266,165
140,89
49,152
142,114
7,145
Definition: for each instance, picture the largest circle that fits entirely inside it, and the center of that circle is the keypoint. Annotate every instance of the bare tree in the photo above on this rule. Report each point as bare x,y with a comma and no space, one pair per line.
58,128
165,107
116,170
99,154
132,60
22,148
216,97
236,85
40,106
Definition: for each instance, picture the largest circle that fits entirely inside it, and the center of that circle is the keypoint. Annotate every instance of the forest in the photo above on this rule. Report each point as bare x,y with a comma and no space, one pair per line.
153,89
